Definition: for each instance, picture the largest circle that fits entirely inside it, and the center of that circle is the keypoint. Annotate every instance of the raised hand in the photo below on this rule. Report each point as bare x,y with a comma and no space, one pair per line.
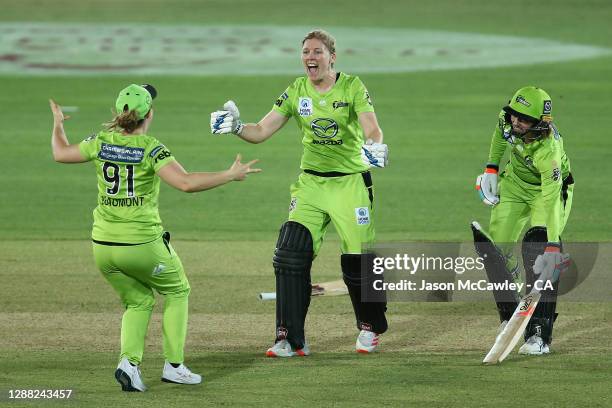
239,171
227,120
58,115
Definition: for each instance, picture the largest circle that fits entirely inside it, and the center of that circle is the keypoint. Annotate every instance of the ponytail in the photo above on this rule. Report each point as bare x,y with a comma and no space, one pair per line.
126,121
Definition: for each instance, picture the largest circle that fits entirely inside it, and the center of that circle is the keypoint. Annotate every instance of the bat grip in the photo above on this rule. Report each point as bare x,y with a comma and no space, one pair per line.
267,296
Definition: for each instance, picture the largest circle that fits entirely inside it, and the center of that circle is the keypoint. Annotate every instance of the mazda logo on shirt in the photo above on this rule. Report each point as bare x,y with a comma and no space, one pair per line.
324,128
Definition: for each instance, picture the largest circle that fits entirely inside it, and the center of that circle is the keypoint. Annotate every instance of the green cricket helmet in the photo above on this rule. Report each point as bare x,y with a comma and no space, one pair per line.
136,97
534,104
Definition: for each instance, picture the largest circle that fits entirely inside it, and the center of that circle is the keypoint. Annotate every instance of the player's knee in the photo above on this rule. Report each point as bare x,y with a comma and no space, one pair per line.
294,249
534,244
359,277
180,292
356,266
536,234
144,303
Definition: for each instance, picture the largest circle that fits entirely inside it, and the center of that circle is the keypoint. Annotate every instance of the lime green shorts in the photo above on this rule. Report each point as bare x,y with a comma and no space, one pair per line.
520,203
135,270
345,201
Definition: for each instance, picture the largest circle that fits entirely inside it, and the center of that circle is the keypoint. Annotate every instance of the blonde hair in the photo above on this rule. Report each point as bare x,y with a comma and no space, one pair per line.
125,121
323,36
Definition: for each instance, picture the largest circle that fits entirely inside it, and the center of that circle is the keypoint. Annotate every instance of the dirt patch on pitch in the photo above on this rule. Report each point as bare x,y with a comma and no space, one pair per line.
582,329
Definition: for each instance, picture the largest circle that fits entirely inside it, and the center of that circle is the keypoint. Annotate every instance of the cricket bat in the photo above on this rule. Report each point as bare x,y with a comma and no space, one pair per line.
332,288
507,339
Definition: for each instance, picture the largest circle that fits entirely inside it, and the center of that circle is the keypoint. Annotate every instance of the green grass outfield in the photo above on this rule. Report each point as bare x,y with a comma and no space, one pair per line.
59,321
61,330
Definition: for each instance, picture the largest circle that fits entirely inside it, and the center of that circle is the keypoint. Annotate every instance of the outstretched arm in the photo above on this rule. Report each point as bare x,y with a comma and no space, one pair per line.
175,175
259,132
63,151
228,121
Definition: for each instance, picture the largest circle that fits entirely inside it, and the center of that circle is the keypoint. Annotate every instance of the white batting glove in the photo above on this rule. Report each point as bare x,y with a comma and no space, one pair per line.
486,185
375,154
227,120
550,264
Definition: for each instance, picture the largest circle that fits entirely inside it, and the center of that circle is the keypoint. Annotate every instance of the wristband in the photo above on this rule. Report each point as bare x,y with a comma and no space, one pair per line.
492,168
553,247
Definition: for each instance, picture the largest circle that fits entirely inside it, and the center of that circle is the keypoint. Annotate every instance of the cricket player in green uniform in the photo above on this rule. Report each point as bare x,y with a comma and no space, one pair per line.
130,246
536,186
334,114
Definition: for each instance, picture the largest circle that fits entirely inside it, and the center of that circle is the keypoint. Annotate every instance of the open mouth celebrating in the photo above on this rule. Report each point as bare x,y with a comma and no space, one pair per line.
312,68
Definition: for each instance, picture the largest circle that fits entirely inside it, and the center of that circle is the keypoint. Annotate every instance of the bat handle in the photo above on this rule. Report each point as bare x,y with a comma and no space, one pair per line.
267,296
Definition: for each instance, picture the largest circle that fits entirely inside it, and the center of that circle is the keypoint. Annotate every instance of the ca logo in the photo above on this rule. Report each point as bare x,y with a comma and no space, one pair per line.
324,128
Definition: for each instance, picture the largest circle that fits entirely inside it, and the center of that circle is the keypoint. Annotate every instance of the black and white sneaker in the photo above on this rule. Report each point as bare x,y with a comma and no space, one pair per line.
534,346
129,377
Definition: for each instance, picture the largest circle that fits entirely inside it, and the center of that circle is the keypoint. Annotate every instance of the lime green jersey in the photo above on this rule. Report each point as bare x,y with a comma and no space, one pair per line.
540,163
329,123
128,186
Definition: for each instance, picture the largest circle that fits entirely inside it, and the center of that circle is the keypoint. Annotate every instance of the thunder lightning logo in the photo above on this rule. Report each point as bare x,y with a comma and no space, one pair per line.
521,99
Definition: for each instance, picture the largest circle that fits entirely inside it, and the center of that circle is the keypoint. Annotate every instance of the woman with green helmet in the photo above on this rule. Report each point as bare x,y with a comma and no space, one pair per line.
535,187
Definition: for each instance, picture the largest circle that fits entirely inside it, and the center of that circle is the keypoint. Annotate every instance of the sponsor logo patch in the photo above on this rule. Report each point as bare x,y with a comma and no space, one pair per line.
556,133
158,269
156,150
328,142
305,106
365,326
521,99
292,204
324,128
526,303
163,155
121,154
281,333
362,214
556,174
547,108
281,99
340,104
367,96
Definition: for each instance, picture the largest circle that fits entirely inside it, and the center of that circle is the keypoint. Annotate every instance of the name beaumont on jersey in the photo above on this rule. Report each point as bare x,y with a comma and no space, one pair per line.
465,284
122,202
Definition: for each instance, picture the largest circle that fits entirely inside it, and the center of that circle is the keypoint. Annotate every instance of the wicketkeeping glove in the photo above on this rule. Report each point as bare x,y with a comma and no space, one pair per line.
375,154
227,120
486,185
551,264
